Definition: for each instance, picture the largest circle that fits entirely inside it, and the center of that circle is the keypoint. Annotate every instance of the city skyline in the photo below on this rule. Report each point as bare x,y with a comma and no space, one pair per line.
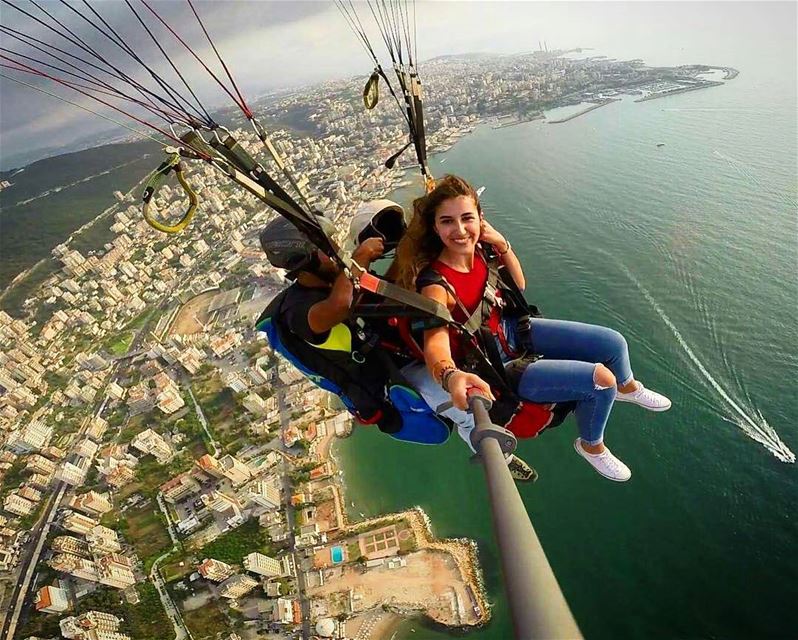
293,45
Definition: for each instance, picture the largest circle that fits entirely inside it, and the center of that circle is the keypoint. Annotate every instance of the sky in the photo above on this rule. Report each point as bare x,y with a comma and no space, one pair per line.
271,45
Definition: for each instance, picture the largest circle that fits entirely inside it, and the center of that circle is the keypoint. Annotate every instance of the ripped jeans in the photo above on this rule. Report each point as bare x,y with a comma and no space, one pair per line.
570,353
565,373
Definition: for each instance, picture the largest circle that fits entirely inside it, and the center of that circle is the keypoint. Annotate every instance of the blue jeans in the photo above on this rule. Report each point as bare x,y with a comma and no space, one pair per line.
419,377
571,351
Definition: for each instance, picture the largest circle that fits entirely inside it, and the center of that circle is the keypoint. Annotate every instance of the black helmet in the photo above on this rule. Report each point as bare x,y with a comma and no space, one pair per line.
286,248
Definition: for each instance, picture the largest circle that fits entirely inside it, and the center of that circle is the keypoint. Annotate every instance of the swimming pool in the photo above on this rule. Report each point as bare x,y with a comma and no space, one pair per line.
337,554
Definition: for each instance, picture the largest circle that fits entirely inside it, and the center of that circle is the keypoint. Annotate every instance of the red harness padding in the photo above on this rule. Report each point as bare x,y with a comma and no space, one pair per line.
530,419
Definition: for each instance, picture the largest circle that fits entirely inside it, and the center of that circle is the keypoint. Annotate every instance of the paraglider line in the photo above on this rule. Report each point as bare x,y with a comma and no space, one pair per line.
243,104
119,42
36,72
79,43
99,86
80,106
243,107
210,120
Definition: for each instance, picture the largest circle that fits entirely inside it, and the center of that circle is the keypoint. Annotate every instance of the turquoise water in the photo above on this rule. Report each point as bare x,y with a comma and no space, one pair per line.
690,250
337,555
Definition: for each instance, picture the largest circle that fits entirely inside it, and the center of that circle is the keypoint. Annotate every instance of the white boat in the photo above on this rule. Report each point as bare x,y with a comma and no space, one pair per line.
443,160
480,191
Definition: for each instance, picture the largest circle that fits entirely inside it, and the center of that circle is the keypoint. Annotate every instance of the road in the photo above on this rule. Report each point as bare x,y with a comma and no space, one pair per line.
201,416
28,565
173,613
181,631
290,516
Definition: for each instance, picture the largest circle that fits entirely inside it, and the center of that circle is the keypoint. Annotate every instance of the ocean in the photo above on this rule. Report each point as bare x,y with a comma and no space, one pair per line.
690,249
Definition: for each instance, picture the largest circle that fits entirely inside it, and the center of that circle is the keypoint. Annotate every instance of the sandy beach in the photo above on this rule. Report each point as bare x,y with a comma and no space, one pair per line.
440,579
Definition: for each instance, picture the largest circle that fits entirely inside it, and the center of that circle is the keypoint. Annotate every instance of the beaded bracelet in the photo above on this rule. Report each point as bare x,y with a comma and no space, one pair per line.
439,367
446,377
445,374
508,249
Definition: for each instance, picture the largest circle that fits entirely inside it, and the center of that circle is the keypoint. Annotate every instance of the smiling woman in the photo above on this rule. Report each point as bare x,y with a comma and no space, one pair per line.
453,256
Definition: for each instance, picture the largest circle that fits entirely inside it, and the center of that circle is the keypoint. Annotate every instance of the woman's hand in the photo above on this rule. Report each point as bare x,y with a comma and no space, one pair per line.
491,236
462,384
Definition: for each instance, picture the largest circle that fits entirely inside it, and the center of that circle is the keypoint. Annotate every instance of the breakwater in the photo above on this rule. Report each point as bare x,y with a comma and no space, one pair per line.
592,107
673,92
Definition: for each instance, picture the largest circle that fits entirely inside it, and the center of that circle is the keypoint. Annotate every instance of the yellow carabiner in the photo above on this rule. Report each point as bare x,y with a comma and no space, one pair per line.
172,163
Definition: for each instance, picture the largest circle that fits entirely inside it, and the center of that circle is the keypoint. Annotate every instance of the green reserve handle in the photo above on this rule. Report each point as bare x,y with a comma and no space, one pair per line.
172,163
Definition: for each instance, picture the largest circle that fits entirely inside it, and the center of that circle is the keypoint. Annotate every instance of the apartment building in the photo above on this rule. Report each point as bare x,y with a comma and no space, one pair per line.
265,492
179,487
149,441
92,625
51,599
237,586
263,565
215,570
78,523
18,505
92,504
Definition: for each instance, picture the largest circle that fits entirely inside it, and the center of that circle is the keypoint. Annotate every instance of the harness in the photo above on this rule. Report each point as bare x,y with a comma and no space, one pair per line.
481,354
368,381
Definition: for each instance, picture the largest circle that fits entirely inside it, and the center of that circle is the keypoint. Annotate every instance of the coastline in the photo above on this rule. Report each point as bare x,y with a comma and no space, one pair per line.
462,551
592,107
74,235
20,277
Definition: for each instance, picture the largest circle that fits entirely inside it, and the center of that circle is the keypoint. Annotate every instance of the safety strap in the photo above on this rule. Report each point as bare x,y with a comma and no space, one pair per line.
474,320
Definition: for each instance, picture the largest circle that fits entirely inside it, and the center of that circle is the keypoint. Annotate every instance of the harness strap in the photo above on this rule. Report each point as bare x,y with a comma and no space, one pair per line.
370,282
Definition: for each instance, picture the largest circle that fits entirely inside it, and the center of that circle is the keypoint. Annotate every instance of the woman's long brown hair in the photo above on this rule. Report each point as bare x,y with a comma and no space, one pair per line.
420,245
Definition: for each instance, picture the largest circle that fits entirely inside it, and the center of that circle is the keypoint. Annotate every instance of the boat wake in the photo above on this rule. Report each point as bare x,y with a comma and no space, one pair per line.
749,175
749,419
720,110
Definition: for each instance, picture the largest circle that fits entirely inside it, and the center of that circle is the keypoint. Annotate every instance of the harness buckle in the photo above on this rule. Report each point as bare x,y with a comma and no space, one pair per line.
492,298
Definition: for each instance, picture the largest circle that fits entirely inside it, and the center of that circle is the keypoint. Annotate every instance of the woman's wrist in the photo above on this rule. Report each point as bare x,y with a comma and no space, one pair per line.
447,376
507,247
440,368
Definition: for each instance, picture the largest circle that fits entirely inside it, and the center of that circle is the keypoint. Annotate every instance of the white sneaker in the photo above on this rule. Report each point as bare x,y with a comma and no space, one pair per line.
646,398
605,463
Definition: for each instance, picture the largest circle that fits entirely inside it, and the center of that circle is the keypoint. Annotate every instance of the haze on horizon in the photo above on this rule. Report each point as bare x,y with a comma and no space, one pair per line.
274,45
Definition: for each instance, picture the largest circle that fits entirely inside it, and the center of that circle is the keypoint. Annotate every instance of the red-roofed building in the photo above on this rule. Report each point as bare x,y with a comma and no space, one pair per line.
51,600
310,432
